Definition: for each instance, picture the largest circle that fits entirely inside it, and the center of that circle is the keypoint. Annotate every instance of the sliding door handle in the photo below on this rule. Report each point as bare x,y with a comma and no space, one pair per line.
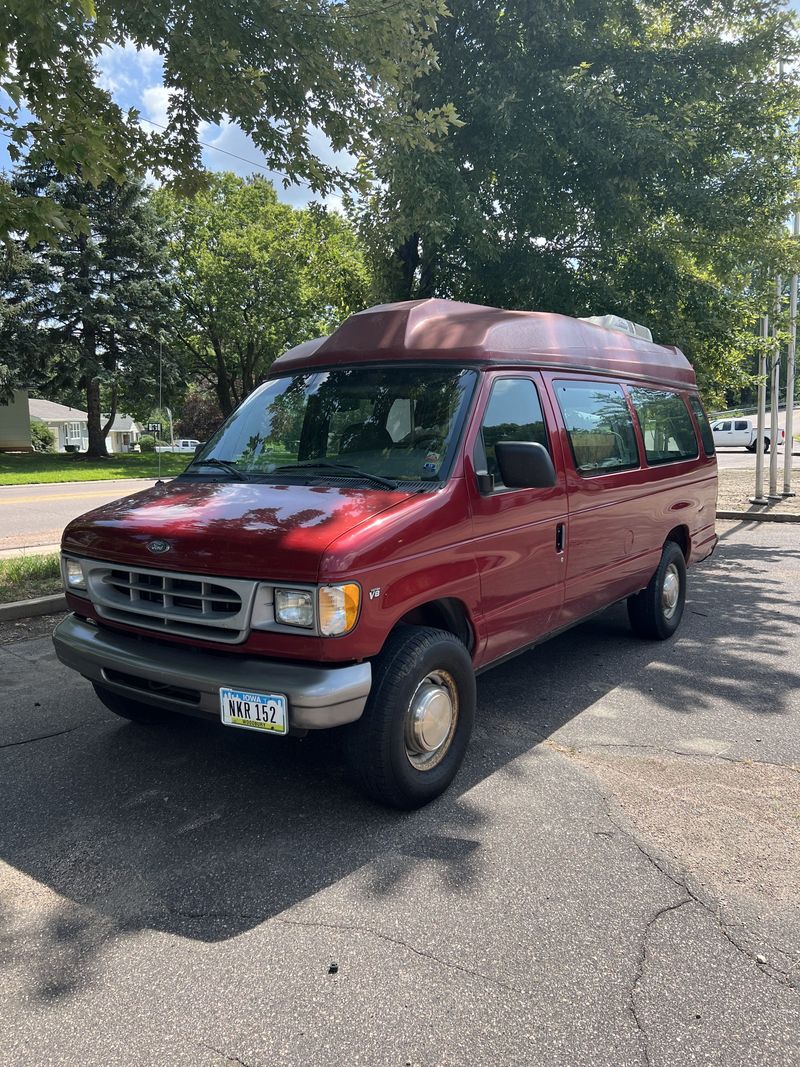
560,537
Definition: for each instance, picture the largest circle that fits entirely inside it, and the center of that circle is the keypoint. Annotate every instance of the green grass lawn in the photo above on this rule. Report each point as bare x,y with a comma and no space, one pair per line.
26,468
23,577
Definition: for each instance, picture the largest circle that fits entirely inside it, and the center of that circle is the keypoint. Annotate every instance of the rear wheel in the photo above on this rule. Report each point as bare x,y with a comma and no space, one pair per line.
410,741
766,445
133,710
656,612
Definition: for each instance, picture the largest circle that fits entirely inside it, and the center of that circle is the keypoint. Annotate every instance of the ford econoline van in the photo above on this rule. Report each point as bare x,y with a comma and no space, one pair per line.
431,489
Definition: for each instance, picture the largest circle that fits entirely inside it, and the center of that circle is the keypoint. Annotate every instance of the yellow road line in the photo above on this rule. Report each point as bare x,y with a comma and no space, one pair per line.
58,496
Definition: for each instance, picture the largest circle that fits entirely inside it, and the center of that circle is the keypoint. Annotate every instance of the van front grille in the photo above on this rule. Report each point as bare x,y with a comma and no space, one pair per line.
188,605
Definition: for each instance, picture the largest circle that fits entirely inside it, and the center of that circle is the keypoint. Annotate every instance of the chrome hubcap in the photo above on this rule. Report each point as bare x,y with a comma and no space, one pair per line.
431,720
670,591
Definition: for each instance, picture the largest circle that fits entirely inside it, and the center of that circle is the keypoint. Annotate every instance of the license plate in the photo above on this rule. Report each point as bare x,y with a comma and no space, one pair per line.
267,712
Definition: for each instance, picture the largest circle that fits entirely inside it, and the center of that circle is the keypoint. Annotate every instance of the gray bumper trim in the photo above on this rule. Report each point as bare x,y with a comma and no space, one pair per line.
319,697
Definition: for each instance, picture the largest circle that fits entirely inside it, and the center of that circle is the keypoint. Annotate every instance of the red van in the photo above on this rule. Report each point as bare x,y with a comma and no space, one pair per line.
430,490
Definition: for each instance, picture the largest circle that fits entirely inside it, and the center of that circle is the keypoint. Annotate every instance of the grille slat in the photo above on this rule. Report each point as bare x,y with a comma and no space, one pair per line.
185,604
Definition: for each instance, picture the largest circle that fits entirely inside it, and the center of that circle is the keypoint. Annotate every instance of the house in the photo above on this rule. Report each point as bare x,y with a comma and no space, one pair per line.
15,424
70,427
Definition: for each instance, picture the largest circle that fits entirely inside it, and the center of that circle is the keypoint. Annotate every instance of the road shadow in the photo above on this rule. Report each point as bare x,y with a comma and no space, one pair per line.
205,833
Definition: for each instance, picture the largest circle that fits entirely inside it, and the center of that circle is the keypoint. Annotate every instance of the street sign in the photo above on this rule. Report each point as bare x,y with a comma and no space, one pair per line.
154,427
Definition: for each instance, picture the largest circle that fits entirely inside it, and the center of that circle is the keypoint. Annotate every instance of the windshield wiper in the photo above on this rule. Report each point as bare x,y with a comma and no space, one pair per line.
223,464
348,468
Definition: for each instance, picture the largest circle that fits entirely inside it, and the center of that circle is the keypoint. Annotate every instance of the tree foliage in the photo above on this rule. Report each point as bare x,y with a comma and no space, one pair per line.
339,66
81,315
253,276
614,156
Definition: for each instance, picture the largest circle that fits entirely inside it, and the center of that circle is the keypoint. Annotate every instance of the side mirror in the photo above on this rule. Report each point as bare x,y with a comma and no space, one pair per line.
199,446
525,465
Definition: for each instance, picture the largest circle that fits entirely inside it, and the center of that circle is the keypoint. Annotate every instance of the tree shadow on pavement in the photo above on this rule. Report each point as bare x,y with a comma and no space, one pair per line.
205,833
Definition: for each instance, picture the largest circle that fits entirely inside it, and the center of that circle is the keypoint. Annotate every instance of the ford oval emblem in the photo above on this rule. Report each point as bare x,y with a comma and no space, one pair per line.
158,547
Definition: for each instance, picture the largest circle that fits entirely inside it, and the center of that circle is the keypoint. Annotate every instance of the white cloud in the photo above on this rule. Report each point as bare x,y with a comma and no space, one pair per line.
155,104
122,69
134,78
229,138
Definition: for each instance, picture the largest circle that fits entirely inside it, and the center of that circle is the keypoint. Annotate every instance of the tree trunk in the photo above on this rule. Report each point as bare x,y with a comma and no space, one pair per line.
407,258
112,413
97,439
427,270
222,384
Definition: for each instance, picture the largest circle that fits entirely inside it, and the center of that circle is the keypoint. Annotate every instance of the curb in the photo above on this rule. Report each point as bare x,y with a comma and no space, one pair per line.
759,516
27,609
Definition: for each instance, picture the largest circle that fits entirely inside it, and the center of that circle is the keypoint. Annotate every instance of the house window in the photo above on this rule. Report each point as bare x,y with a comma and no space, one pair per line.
74,431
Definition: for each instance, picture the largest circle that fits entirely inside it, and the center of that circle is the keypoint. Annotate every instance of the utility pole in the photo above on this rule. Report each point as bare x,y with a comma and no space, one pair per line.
790,365
759,497
775,376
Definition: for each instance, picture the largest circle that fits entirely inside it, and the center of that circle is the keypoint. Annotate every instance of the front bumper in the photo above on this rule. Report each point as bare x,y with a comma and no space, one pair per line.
188,680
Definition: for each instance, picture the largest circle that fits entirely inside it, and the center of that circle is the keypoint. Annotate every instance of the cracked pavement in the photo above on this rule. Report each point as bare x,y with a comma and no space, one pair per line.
613,879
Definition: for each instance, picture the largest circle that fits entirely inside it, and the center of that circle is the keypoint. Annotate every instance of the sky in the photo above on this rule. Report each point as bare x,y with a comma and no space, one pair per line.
134,79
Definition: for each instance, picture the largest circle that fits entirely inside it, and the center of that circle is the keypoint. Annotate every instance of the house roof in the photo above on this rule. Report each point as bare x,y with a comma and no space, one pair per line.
123,424
445,330
49,411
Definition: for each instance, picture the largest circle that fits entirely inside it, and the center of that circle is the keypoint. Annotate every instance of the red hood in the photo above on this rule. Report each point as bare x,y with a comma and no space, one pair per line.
238,529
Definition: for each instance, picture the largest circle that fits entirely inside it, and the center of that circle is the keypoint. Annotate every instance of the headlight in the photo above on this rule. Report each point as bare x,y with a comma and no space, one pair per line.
74,577
294,607
338,608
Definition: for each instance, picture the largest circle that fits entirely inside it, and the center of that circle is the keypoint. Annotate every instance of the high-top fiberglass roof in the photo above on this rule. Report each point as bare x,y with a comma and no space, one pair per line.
444,330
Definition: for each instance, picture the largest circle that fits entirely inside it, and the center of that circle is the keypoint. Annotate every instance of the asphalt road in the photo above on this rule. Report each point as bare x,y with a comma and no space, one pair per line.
32,515
613,879
740,459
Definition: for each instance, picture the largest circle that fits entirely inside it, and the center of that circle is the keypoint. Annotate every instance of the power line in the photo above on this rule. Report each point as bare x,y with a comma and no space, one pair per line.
215,148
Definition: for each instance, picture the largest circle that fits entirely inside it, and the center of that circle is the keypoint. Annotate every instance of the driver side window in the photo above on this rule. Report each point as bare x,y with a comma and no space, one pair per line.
513,413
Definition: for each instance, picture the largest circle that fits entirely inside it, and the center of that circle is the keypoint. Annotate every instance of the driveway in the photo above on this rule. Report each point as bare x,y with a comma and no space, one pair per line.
34,515
612,880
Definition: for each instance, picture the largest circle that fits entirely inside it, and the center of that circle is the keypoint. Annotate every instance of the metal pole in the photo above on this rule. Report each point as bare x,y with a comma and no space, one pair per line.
790,363
759,497
775,376
160,381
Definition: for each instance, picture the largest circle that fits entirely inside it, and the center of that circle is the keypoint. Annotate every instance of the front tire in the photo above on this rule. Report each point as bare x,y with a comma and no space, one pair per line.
766,445
408,745
656,612
133,710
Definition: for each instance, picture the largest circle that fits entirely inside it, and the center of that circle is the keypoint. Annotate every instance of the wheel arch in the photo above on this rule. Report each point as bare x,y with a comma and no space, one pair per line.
682,538
445,613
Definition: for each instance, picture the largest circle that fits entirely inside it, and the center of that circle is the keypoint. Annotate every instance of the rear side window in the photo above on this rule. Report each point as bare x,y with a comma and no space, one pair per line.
741,425
666,425
702,422
599,425
512,414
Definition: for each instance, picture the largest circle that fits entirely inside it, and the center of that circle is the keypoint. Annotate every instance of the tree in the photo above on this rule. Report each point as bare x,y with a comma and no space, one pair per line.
254,276
614,156
200,414
83,313
339,66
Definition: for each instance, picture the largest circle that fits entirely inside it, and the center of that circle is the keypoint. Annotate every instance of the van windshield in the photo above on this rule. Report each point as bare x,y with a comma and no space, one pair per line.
378,425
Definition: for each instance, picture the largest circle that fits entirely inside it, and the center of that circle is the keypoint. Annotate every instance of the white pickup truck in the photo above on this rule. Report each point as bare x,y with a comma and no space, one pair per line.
184,445
742,433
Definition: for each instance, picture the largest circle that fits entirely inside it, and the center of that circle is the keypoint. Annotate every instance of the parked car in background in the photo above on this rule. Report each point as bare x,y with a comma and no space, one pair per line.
185,444
742,433
430,490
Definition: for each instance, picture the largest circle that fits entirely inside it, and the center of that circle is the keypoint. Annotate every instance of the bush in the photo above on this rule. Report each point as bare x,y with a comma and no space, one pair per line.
42,437
147,443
